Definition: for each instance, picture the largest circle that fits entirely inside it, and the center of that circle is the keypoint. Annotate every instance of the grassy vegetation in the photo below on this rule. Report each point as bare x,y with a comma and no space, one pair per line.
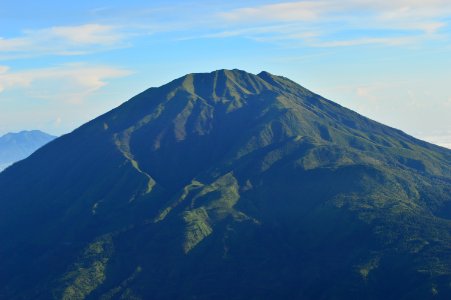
88,273
233,186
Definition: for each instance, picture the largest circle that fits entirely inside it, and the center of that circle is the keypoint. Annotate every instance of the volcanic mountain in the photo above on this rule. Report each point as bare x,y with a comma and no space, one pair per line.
228,185
17,146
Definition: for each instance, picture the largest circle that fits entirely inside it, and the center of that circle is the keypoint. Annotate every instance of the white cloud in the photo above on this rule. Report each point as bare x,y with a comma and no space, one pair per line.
58,121
71,83
362,91
289,11
442,139
368,41
4,69
371,93
360,22
264,33
13,44
317,10
85,34
411,8
62,40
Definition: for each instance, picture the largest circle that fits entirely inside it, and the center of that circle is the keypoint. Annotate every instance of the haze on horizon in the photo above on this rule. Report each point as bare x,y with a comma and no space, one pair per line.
62,64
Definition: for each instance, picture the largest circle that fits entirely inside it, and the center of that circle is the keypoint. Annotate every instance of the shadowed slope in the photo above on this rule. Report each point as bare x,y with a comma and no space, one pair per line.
228,185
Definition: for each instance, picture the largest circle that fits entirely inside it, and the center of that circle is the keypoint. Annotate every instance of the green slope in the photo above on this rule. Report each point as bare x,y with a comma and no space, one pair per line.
228,185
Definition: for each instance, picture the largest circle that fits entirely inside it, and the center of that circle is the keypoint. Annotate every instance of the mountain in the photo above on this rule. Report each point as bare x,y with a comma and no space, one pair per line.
228,185
17,146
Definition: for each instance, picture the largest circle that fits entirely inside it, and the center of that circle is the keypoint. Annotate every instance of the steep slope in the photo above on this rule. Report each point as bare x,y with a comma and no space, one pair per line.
17,146
228,185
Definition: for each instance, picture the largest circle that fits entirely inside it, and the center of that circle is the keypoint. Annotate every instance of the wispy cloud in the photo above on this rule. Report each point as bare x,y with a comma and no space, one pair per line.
71,83
289,11
318,10
395,41
4,69
360,22
89,34
442,139
62,40
319,23
271,32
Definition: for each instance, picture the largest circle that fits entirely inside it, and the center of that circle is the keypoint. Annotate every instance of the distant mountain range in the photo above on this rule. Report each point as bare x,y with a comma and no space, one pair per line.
17,146
228,185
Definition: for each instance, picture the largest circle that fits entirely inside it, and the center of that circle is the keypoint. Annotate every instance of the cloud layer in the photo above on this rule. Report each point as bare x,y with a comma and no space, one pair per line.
62,40
356,22
70,83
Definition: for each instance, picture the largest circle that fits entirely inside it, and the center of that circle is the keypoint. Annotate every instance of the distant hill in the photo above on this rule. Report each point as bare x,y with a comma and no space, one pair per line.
17,146
228,185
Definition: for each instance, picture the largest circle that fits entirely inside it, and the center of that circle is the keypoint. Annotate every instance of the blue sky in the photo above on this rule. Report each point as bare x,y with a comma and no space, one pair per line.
63,63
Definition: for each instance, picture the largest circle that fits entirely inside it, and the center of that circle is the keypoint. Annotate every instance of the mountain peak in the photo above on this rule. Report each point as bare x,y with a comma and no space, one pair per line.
228,179
221,84
15,146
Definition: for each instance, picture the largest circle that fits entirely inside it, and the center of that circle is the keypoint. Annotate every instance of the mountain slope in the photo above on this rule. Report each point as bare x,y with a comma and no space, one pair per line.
17,146
228,185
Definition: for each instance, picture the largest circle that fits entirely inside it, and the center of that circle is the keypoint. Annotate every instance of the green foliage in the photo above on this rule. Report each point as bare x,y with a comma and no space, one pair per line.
197,228
233,186
89,271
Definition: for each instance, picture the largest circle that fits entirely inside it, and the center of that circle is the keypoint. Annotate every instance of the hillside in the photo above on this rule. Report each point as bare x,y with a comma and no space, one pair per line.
17,146
228,185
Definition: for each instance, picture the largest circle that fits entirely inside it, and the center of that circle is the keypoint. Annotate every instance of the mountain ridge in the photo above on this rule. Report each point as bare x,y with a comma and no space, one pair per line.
17,146
229,185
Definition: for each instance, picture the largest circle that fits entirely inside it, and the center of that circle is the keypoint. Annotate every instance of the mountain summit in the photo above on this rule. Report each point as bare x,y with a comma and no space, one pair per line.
228,185
17,146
